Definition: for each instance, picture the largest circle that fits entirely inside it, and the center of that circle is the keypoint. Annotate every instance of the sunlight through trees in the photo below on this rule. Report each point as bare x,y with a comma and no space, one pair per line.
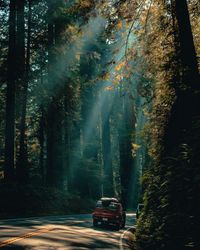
101,98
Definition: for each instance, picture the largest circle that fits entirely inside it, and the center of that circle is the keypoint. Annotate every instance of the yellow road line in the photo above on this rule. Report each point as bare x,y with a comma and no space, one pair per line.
29,235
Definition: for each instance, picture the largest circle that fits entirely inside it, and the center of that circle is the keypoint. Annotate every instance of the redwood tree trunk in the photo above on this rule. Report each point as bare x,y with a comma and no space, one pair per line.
106,150
41,138
182,134
187,49
54,167
126,160
10,98
23,154
21,165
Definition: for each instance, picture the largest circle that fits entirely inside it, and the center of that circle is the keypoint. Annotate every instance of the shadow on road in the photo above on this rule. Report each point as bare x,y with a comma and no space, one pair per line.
82,236
13,247
74,234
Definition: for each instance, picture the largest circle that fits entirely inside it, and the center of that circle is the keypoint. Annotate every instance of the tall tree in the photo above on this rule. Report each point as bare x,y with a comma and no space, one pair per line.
108,187
173,173
186,51
21,164
126,130
55,105
23,157
10,97
183,127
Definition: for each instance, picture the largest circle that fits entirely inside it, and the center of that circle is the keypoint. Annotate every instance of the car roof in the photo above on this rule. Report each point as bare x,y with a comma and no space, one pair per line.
109,199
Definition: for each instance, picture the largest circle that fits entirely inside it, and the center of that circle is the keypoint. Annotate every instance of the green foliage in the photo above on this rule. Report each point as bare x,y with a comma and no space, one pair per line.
73,58
170,219
114,63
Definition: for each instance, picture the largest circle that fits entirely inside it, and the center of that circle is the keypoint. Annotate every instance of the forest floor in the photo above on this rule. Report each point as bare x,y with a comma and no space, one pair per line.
28,200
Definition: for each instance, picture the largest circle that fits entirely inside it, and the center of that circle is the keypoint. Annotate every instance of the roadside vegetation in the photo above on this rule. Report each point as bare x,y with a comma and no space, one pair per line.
25,201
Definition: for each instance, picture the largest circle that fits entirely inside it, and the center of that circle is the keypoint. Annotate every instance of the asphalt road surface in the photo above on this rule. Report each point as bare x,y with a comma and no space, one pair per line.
61,232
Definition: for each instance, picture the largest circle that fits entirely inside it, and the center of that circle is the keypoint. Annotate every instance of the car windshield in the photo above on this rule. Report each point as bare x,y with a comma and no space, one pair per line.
107,204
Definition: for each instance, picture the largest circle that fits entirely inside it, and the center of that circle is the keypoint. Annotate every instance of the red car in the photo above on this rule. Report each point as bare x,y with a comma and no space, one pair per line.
109,211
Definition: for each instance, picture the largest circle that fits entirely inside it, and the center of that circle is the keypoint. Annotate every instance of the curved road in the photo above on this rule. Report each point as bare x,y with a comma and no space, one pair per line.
60,232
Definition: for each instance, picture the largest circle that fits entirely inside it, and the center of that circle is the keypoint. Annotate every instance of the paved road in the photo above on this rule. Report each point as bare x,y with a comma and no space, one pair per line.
58,233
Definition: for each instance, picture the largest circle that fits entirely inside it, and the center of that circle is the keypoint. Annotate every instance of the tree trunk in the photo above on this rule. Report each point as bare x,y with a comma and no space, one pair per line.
67,143
23,154
21,164
186,51
182,134
55,109
126,130
186,106
42,141
10,97
54,144
106,150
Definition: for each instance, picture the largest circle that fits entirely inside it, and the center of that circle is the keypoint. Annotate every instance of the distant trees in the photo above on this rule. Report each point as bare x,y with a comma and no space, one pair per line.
17,87
67,124
91,94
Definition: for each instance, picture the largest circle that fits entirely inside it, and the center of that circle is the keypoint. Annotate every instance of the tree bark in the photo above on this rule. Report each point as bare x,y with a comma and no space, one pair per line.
186,44
55,109
23,154
181,141
126,130
21,165
42,142
106,150
9,171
